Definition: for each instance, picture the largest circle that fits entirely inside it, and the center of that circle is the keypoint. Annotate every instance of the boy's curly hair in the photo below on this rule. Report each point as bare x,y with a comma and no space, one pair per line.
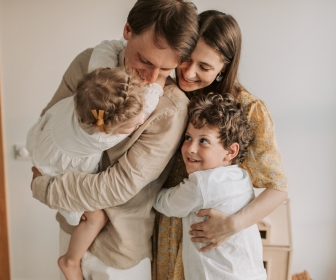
222,112
112,90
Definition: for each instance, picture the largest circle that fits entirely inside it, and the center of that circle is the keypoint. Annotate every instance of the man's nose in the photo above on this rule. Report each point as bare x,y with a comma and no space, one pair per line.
152,75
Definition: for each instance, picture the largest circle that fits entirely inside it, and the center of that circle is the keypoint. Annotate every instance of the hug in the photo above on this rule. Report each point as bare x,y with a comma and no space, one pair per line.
153,175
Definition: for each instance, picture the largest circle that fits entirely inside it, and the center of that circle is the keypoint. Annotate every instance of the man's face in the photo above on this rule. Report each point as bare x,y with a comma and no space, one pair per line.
147,60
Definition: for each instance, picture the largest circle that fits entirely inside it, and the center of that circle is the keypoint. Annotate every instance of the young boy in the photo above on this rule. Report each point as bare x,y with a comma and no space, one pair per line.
215,143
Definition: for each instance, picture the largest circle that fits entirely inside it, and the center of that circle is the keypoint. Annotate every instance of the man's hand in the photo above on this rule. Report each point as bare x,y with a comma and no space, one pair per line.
217,229
36,173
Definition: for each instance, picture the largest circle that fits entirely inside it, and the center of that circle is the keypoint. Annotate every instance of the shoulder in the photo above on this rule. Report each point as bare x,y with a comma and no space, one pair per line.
229,180
220,174
174,97
106,54
256,110
63,106
250,102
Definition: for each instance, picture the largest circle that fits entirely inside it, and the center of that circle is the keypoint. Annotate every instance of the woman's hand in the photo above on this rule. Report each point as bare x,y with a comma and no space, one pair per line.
36,173
217,229
220,227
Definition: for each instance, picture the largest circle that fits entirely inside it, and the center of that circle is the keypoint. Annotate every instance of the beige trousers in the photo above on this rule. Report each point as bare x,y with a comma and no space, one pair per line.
94,269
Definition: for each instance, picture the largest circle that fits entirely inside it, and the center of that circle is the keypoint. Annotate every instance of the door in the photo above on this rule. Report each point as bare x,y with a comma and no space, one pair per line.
4,245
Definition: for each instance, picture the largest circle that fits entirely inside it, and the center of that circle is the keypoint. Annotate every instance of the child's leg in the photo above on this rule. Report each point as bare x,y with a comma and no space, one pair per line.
81,238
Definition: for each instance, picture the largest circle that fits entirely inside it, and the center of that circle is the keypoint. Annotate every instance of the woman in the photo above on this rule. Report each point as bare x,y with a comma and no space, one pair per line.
213,67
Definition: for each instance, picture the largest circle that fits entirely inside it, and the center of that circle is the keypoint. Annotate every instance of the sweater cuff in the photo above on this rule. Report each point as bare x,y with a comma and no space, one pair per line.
39,188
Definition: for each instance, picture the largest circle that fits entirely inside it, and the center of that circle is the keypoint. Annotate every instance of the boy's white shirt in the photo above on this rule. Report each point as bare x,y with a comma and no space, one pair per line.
227,189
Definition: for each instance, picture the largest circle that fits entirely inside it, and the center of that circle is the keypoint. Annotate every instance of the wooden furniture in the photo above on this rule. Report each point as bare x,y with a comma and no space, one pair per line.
275,232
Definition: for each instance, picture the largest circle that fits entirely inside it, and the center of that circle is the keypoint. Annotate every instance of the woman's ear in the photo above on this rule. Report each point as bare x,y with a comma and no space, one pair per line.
127,31
232,152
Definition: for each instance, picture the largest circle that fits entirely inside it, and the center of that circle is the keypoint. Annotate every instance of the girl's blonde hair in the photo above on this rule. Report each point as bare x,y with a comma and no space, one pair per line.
112,90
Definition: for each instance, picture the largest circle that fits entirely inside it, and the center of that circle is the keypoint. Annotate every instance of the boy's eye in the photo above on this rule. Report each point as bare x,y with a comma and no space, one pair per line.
204,141
187,138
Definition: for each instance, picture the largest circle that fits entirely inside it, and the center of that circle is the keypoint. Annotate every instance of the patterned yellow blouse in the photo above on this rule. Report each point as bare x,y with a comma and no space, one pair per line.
264,165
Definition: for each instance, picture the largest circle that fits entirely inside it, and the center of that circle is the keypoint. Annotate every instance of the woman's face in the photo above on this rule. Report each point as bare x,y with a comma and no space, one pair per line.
201,69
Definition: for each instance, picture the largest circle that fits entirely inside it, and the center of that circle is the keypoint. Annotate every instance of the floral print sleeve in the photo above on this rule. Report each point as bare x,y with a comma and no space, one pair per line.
263,160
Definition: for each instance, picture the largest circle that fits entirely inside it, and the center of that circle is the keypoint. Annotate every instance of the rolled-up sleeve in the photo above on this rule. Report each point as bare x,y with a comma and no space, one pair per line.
143,162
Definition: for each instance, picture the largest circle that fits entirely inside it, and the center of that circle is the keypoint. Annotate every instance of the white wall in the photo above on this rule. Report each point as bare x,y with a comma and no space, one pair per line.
288,61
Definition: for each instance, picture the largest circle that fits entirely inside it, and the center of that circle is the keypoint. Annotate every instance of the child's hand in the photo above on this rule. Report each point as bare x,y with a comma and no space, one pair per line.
216,230
84,218
36,173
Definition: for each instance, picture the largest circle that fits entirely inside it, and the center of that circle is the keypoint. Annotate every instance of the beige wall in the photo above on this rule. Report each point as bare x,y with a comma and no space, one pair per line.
288,61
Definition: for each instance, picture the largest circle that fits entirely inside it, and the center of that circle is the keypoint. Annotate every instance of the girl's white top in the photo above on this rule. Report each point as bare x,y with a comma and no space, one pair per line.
58,144
227,189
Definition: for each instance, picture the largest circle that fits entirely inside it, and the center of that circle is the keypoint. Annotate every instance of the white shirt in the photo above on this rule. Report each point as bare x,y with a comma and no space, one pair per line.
227,189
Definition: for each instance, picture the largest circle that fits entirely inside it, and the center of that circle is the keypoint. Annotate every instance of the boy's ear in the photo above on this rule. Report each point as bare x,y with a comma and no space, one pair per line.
127,32
232,152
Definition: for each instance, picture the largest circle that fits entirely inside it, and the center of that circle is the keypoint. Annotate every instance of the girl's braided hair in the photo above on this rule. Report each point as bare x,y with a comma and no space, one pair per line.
112,90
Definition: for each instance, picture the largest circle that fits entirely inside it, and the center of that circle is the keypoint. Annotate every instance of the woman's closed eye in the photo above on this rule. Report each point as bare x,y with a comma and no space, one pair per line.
204,68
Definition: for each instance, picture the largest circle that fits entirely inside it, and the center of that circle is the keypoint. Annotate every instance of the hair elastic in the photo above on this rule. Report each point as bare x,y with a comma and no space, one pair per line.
100,119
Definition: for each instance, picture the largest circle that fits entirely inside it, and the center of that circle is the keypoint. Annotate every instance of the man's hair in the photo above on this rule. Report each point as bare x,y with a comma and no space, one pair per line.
176,21
224,113
111,90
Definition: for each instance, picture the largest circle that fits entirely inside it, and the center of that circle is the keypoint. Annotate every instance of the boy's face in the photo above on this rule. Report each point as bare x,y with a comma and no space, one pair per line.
147,60
203,150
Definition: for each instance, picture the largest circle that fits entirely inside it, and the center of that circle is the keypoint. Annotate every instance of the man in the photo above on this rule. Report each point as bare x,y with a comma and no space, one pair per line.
159,33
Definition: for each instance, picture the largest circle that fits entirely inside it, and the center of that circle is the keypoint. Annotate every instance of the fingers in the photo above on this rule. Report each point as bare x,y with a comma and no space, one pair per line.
208,248
197,233
198,226
33,169
36,172
204,212
200,239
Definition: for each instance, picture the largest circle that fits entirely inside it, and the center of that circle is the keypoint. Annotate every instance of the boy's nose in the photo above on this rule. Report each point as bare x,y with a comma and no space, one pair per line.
192,148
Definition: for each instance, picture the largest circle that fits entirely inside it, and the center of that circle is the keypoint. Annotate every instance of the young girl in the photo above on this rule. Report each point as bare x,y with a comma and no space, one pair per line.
215,143
71,136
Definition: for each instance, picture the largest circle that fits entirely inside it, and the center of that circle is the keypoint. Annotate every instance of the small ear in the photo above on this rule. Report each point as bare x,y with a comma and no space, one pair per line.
127,31
232,152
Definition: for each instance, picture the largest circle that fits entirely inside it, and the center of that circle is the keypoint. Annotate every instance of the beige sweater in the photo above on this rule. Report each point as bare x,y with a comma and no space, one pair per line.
134,171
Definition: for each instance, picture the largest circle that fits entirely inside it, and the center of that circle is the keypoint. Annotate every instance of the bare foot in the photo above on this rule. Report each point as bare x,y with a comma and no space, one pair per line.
70,269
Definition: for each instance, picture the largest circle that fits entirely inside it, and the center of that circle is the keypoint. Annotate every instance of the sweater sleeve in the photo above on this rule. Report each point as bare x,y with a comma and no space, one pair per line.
142,164
263,161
